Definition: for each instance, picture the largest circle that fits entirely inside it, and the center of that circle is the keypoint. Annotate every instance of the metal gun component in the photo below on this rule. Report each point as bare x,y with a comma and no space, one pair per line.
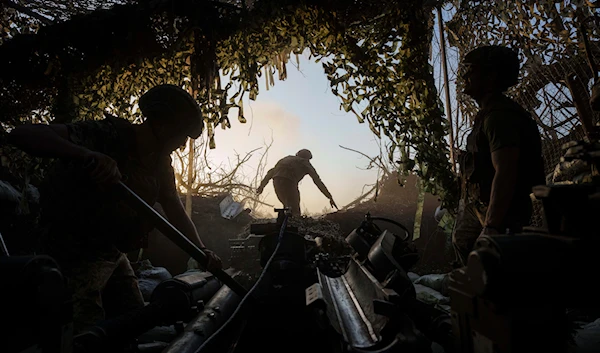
173,300
3,247
215,313
372,304
343,296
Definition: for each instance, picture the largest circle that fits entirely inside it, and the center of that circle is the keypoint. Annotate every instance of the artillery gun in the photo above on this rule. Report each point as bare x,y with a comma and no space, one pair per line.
304,300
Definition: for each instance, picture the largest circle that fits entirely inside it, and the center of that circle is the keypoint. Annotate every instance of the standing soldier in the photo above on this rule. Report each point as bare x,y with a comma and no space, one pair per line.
286,175
89,229
503,160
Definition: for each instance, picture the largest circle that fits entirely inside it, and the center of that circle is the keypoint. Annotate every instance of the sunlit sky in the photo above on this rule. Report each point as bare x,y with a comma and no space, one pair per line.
302,112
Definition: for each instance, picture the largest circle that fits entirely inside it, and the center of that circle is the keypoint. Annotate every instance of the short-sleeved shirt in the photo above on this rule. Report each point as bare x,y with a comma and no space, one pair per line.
502,123
86,217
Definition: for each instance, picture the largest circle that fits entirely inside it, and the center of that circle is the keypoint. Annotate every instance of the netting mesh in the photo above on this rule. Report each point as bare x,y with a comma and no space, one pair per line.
555,72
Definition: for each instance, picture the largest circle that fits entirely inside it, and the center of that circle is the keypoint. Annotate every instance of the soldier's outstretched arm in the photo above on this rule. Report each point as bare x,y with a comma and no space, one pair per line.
266,180
319,183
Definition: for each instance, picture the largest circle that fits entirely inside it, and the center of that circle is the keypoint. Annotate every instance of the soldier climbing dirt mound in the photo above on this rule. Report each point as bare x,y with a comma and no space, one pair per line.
286,175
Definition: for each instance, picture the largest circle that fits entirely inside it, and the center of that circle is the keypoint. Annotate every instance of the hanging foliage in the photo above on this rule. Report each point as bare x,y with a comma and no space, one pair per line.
375,55
547,38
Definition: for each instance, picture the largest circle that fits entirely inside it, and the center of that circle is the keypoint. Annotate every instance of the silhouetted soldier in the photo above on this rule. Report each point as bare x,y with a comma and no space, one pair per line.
89,229
286,175
503,160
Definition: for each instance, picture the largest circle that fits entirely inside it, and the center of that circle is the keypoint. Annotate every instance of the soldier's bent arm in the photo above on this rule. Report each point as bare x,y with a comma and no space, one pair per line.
171,204
318,182
504,142
503,185
47,141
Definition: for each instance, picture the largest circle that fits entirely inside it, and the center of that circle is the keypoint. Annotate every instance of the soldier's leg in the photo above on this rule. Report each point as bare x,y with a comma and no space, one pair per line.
287,192
281,191
87,280
467,229
294,197
122,292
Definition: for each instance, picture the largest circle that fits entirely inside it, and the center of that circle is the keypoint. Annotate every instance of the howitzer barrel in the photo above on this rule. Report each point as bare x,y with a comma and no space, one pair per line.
215,313
184,292
172,300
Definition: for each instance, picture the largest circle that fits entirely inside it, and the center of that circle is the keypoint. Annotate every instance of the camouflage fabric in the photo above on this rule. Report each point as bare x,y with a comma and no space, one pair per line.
104,282
88,227
468,227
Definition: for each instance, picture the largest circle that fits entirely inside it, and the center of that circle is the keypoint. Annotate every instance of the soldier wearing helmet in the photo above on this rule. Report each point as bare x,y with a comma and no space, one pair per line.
286,175
503,160
89,230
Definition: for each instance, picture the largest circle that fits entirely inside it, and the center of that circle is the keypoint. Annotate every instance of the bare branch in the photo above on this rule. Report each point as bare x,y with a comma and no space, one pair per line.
360,199
228,177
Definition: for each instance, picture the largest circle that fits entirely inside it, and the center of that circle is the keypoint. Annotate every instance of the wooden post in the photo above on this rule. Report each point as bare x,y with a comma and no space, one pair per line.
192,60
419,213
446,86
190,177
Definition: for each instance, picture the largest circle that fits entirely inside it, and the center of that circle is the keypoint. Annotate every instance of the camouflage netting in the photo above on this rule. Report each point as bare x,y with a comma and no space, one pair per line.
82,61
556,76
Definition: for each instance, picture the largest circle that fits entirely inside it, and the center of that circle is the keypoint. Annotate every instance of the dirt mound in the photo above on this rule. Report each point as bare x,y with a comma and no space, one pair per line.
314,227
332,237
399,203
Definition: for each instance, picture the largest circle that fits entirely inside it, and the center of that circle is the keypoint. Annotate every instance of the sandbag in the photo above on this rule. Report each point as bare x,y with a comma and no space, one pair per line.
430,296
434,281
413,276
149,277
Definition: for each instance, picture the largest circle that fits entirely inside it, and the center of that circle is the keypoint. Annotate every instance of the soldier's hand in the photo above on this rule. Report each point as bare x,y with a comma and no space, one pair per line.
489,231
102,168
259,190
332,203
214,261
